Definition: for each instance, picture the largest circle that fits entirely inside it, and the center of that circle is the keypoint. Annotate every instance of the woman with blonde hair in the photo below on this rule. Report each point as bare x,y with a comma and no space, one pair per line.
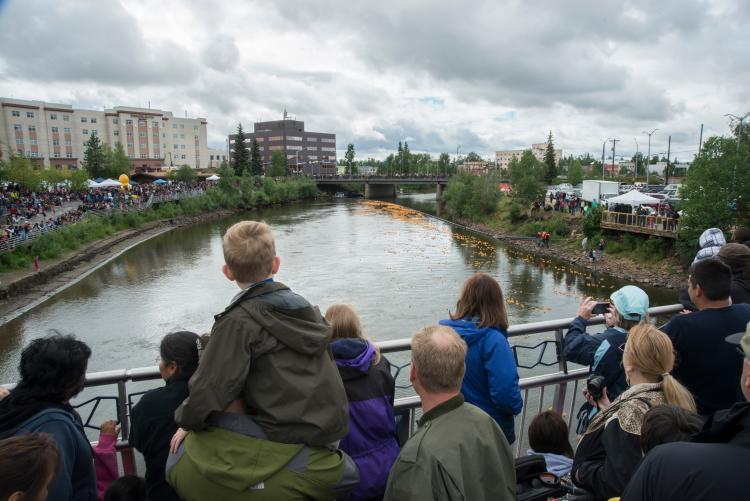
610,450
370,388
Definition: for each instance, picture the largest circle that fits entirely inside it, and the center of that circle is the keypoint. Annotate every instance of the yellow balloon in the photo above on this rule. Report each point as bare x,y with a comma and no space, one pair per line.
124,179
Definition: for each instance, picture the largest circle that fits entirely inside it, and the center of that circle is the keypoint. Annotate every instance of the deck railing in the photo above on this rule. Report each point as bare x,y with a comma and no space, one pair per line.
636,223
557,390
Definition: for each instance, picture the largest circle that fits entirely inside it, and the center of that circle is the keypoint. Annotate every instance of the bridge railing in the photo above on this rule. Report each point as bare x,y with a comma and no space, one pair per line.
556,390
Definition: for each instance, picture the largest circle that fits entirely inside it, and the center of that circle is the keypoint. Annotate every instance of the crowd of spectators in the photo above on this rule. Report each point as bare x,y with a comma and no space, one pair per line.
561,201
282,402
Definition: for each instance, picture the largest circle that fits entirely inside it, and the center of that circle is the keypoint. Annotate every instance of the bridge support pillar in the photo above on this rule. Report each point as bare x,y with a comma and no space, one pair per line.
439,192
380,190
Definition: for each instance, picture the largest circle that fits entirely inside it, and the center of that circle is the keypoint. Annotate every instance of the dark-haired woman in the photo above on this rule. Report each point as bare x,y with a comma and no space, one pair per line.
491,379
152,418
28,463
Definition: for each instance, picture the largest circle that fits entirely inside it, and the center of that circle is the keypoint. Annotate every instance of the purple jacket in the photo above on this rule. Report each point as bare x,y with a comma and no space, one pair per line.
371,441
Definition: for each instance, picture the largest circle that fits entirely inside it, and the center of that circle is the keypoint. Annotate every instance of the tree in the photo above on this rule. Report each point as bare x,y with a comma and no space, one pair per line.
349,156
406,160
527,179
118,161
186,174
78,180
473,157
94,159
575,172
20,170
278,164
256,161
549,161
443,163
472,196
240,157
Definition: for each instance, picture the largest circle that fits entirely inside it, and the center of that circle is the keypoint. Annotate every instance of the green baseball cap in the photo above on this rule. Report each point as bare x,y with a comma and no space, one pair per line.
742,339
631,302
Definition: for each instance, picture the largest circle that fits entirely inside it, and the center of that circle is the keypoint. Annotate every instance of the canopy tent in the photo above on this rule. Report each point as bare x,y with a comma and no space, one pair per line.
213,178
92,184
108,182
633,197
160,181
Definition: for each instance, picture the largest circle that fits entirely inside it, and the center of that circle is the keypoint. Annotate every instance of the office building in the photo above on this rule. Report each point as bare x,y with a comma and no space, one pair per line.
55,135
503,158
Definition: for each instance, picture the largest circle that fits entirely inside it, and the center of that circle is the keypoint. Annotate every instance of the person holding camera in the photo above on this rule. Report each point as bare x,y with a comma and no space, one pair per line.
602,352
610,450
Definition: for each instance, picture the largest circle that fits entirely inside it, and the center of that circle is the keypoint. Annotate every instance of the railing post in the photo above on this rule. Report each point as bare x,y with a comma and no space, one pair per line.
128,458
558,401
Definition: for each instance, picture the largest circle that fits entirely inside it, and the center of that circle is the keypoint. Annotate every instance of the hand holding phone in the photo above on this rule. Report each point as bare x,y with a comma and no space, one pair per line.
601,308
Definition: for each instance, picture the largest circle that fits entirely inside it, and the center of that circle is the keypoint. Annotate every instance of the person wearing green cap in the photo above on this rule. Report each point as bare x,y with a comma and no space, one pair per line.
713,465
602,352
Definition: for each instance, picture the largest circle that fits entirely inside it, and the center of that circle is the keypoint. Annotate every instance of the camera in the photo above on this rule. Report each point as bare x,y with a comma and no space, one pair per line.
595,386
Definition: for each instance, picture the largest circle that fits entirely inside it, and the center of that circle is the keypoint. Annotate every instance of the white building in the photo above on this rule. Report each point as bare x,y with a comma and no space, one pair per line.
503,158
216,156
56,134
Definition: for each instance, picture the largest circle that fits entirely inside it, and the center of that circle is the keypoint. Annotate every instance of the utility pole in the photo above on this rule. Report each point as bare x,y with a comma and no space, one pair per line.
648,156
603,146
666,171
635,174
614,143
700,141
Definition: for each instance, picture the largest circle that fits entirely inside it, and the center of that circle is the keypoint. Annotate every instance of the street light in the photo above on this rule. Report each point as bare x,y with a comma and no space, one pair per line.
635,172
648,156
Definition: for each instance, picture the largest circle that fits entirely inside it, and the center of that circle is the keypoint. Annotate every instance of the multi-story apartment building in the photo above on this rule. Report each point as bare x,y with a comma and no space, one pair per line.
306,152
55,135
476,167
503,158
216,156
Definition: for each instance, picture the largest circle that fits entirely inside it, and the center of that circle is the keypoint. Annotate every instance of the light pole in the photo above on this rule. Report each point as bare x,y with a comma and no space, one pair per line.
458,148
739,139
635,174
614,143
604,145
648,155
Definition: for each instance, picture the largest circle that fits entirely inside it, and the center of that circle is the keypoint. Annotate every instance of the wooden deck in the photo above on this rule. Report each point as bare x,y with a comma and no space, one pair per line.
646,225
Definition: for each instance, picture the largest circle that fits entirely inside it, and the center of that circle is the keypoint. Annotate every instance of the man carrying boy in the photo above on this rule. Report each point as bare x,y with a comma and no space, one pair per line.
268,361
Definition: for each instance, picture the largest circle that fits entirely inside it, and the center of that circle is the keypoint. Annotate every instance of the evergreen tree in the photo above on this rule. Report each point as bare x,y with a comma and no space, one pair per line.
349,156
549,161
240,156
407,158
94,160
443,164
256,161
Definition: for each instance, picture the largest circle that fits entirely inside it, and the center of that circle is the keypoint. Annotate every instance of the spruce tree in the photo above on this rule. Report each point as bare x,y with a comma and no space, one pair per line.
241,156
349,156
94,160
256,161
549,161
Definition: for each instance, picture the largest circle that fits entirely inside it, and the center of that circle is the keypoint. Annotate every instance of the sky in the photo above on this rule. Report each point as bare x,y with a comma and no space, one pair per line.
444,76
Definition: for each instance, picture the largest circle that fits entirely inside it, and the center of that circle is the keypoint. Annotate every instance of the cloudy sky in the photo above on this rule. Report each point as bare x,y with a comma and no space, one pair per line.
485,75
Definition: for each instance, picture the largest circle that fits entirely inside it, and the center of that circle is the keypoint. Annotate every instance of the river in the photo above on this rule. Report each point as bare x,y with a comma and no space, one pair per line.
399,269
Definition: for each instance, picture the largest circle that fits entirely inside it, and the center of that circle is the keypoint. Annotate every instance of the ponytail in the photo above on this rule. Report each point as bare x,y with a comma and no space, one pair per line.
676,394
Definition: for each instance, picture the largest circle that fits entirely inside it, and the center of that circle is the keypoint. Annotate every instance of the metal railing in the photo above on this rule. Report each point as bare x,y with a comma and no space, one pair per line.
552,388
638,223
10,244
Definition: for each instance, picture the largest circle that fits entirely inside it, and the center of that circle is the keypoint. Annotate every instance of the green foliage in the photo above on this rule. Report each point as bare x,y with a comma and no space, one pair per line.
240,156
473,157
527,179
118,162
279,167
549,161
591,222
20,169
256,160
472,197
575,172
186,174
555,225
95,158
639,247
349,157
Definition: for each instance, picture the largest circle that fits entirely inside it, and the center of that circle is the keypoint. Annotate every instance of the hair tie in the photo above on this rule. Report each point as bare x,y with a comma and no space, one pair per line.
665,374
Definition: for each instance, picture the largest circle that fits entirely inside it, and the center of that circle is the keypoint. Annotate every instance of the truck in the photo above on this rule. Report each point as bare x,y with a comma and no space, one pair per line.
595,190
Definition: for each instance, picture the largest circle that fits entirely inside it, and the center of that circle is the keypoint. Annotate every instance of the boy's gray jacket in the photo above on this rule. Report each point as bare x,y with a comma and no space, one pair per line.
269,348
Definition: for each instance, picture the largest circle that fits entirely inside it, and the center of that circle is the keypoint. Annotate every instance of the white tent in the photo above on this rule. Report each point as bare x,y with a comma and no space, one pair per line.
108,182
213,178
633,197
91,183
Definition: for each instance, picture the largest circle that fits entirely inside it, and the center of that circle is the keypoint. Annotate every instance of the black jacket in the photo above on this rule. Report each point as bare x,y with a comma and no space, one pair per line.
152,426
740,288
713,467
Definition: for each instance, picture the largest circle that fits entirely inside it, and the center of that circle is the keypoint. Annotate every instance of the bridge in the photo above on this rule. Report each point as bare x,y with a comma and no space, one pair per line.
384,186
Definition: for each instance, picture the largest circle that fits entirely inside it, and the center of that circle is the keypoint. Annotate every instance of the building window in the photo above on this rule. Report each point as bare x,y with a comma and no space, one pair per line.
182,146
164,146
143,155
55,142
16,113
274,148
84,120
93,120
130,145
294,148
141,123
68,155
196,138
57,154
19,140
34,154
182,157
312,148
156,155
182,126
128,122
85,132
32,128
312,139
115,121
55,129
174,136
116,133
130,133
53,116
29,114
260,139
177,146
143,146
328,149
182,136
66,130
327,140
154,124
68,142
174,126
17,127
142,134
195,127
276,138
33,141
294,138
66,118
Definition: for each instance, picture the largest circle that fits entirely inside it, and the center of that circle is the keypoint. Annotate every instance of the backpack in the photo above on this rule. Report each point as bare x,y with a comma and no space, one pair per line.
529,485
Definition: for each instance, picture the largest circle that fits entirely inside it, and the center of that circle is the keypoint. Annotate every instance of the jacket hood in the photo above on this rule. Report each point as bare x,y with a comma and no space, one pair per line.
467,329
728,425
353,353
710,243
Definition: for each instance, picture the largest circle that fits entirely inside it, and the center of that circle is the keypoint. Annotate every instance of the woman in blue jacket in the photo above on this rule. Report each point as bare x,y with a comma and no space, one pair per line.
491,379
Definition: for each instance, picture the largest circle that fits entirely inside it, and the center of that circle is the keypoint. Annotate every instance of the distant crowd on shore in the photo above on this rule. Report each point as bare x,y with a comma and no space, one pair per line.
283,402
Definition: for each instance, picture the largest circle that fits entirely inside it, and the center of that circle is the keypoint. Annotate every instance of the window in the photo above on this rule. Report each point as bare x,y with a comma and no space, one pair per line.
72,167
19,140
276,138
182,126
29,114
182,157
143,155
34,154
84,120
53,116
66,118
57,154
17,127
260,139
163,135
16,113
85,132
116,133
294,138
33,141
93,120
294,148
327,140
328,149
177,146
156,155
312,157
174,126
195,127
68,142
128,122
312,139
142,133
154,124
182,146
196,137
55,142
174,136
66,130
274,148
69,155
115,121
32,128
182,136
164,146
143,146
55,130
130,133
141,123
130,145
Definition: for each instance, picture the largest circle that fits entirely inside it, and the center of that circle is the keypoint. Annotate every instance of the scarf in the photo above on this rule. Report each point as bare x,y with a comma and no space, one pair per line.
630,407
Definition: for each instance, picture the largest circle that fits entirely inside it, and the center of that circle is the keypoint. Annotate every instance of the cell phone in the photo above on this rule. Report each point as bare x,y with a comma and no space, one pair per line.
601,308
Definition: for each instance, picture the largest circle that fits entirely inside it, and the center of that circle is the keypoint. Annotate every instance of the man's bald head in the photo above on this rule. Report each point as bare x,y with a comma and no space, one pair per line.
439,358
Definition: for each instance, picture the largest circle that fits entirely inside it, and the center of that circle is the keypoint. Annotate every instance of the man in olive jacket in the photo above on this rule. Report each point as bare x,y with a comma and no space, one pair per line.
459,452
268,362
